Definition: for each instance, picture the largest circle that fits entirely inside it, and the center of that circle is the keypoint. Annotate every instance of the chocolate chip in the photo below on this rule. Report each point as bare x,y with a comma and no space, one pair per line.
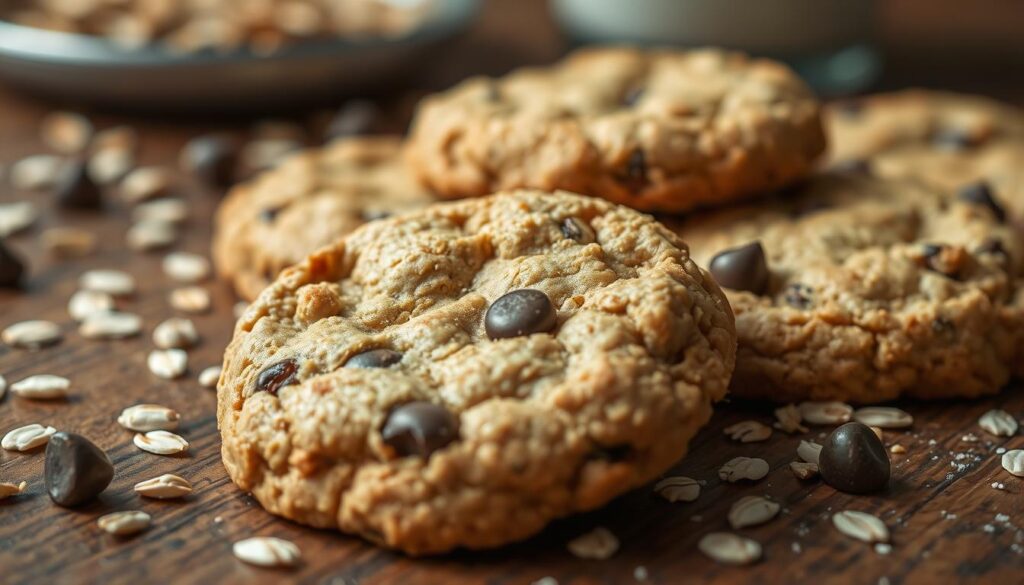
419,428
636,170
981,194
799,296
269,214
11,267
632,96
520,312
853,460
277,376
76,190
75,470
353,119
742,268
212,158
954,139
374,358
853,166
576,230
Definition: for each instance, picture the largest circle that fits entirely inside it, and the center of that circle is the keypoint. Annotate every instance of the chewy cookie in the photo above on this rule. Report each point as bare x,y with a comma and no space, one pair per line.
462,375
309,201
951,141
862,289
655,130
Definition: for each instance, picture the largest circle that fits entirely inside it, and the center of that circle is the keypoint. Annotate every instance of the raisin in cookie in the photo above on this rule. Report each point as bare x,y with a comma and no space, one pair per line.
654,130
862,289
460,376
309,201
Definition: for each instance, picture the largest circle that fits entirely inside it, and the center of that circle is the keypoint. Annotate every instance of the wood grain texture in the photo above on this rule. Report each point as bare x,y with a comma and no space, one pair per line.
941,508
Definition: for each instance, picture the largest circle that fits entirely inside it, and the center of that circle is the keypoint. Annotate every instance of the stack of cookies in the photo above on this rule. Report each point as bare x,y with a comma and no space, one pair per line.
439,375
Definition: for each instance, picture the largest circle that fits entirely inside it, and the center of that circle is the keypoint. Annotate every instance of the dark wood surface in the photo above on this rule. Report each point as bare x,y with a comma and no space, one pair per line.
942,508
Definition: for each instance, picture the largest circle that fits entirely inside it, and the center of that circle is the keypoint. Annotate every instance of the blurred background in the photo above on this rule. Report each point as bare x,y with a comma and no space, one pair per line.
262,55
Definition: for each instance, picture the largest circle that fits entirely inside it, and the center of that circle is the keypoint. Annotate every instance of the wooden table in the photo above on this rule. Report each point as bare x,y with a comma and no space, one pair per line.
945,516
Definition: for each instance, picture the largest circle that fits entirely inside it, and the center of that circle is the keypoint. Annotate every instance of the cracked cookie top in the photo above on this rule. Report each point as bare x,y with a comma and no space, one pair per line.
309,201
856,288
459,376
656,130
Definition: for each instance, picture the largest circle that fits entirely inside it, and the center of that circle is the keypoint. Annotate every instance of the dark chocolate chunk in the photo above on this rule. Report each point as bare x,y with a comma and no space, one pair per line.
636,170
419,428
374,358
75,470
574,229
520,312
76,190
11,267
853,460
981,194
277,376
742,268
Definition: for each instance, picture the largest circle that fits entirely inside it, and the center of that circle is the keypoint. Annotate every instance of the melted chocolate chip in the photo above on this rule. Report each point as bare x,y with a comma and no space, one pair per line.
520,312
799,296
211,158
636,170
11,267
853,166
75,470
742,268
954,139
981,194
576,230
277,376
353,119
419,428
374,358
853,460
77,190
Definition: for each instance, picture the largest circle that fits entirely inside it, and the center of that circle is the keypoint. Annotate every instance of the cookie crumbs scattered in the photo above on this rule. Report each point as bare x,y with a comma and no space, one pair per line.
998,485
796,548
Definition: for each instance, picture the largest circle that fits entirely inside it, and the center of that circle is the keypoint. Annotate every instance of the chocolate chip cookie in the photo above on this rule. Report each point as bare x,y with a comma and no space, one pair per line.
862,289
655,130
462,375
309,201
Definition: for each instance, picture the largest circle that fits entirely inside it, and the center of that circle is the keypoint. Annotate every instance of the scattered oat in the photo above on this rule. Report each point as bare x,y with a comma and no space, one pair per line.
190,299
1013,461
740,468
149,417
999,423
66,132
145,183
165,487
186,267
147,235
883,548
110,325
36,172
112,282
42,387
861,525
825,413
168,363
161,443
749,431
803,469
897,449
809,451
730,549
27,437
885,417
678,488
17,216
209,377
167,210
69,242
31,334
89,302
598,544
789,419
751,511
9,489
108,165
267,551
125,523
177,333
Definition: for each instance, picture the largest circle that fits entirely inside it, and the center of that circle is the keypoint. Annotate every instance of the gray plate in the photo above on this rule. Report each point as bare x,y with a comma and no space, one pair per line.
91,69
